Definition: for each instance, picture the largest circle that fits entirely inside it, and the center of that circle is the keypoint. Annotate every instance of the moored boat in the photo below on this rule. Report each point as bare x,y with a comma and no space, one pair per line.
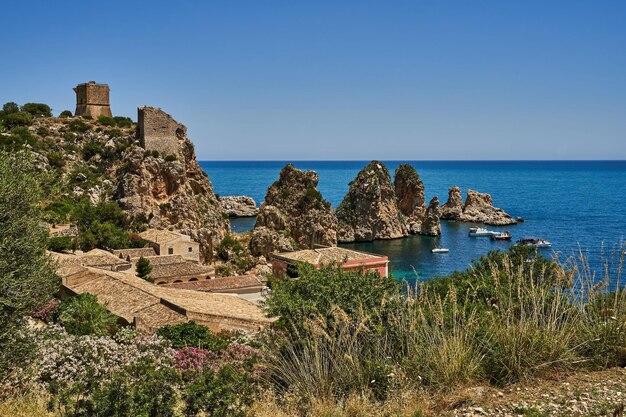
480,232
501,236
440,250
535,241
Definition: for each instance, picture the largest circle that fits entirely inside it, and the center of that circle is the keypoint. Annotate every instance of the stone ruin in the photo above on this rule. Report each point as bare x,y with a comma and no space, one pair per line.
158,131
92,100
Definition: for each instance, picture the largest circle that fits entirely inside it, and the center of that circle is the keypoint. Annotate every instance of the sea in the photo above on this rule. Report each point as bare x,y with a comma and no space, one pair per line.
579,206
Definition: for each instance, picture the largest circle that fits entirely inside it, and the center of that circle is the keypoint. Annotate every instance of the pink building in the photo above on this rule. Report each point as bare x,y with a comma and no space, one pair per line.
285,263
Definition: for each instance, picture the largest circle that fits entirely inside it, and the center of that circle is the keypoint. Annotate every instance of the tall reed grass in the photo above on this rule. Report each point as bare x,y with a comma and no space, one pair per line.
514,321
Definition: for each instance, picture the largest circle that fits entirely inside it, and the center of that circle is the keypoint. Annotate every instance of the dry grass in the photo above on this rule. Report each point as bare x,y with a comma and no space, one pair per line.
30,404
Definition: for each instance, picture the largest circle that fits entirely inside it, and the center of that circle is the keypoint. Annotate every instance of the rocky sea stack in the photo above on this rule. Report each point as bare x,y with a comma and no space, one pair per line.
369,210
478,208
409,190
294,214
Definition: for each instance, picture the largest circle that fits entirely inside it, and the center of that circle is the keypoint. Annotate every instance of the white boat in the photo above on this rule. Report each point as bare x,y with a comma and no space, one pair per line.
440,250
481,232
535,241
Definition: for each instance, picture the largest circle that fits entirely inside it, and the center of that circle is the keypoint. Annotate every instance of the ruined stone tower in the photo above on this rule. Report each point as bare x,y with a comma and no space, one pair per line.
92,100
158,131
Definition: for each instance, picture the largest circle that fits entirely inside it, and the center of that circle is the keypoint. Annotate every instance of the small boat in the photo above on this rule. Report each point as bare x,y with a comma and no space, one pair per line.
480,232
501,236
440,250
535,241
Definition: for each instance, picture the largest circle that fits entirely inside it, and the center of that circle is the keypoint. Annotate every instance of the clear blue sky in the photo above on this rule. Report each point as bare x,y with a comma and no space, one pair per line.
340,79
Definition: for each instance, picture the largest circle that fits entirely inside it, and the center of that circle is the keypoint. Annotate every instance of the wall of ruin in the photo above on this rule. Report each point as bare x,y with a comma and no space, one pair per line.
158,131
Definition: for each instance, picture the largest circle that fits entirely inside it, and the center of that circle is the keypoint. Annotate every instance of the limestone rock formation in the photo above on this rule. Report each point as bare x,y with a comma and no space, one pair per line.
409,190
453,209
431,225
478,208
294,209
172,192
369,210
264,241
239,206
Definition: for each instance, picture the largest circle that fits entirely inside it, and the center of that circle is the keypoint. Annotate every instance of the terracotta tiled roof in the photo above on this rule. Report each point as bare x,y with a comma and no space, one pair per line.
180,269
166,259
153,306
330,255
99,257
135,252
161,236
222,283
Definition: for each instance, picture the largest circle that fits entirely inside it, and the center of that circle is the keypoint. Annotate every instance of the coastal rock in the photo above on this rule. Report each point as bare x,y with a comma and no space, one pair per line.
172,192
369,211
453,208
294,207
479,208
409,190
239,206
265,241
431,225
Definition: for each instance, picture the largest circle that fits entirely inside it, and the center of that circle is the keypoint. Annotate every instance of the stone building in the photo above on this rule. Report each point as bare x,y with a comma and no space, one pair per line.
158,131
166,242
92,100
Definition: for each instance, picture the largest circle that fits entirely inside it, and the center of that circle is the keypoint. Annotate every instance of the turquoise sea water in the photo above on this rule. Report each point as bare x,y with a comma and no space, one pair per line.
574,204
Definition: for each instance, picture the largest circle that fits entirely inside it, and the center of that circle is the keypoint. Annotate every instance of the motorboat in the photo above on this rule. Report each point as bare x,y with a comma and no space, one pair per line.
501,235
440,250
535,241
480,232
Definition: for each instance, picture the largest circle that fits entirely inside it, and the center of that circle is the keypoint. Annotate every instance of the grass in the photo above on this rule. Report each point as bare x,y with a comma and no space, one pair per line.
534,322
29,404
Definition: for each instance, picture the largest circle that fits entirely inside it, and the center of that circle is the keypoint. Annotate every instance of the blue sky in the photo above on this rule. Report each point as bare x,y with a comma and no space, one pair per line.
294,80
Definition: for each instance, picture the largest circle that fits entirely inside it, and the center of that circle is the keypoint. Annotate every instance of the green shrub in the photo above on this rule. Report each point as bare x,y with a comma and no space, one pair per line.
10,107
61,244
121,121
82,315
170,158
66,113
58,211
16,119
37,109
191,334
228,248
78,126
56,159
91,149
106,121
144,268
114,133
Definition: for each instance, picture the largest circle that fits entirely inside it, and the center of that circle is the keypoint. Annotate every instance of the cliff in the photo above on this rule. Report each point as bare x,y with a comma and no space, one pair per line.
103,160
294,210
369,210
409,190
478,208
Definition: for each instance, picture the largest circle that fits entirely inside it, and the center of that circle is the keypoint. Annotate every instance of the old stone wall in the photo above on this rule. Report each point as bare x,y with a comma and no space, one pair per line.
158,131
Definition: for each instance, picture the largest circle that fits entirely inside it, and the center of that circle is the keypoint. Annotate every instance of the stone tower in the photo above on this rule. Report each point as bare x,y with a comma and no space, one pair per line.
158,131
92,100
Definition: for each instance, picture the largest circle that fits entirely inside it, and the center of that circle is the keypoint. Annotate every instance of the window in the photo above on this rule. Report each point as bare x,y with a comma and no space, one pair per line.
170,251
190,249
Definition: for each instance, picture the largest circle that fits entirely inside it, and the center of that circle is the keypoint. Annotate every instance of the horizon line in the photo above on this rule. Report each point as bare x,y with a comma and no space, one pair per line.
412,160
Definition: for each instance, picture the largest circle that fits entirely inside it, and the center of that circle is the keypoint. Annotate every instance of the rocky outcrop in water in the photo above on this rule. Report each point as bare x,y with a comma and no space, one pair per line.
239,206
369,210
409,190
294,210
171,191
478,208
431,226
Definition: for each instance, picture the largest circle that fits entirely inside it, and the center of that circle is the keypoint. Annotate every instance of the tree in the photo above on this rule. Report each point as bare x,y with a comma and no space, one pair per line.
37,109
66,113
83,315
144,268
27,274
10,107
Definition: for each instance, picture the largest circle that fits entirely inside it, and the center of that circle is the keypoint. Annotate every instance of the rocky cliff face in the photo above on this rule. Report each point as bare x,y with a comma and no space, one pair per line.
369,210
293,210
409,190
478,208
239,206
172,192
431,226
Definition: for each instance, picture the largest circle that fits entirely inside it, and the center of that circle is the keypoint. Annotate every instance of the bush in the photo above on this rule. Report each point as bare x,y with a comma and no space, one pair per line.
78,126
37,109
91,149
170,158
16,119
144,268
61,244
19,137
66,113
121,121
56,159
106,121
191,334
10,107
82,315
228,248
